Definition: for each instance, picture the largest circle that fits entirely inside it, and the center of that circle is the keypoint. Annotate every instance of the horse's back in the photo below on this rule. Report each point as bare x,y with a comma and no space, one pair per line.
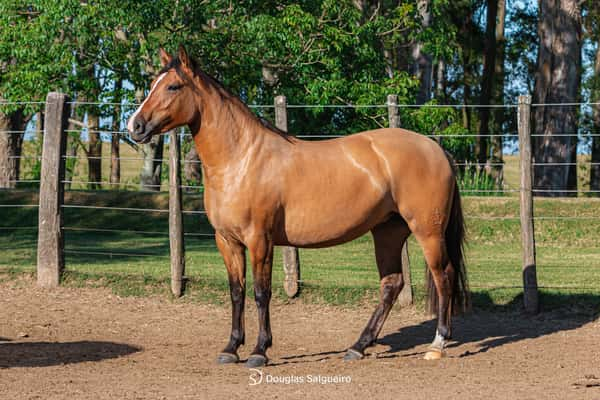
397,160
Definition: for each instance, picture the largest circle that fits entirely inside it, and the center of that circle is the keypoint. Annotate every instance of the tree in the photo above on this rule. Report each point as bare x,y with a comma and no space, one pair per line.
595,148
30,64
11,141
557,81
469,42
487,83
497,124
115,148
592,28
422,68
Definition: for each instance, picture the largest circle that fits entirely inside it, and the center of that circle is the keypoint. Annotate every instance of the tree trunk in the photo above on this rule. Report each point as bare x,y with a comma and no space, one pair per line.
440,83
73,140
191,167
487,83
557,81
595,168
115,150
152,153
73,143
466,111
466,29
498,115
94,152
39,127
10,147
422,61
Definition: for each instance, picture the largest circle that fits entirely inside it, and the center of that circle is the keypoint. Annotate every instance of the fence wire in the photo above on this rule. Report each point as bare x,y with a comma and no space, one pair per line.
79,231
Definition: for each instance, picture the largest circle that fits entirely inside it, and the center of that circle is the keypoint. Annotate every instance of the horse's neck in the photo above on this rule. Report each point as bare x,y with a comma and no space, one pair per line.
227,135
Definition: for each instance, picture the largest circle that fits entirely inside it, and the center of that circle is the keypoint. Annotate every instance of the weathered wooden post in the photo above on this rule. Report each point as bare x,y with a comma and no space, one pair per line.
50,251
530,287
406,295
176,243
291,258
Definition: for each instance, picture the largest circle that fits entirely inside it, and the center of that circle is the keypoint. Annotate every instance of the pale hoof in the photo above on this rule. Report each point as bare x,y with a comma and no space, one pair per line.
352,355
434,354
256,360
227,358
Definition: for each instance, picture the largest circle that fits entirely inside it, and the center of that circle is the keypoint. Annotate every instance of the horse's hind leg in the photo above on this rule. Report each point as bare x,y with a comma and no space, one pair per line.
389,238
442,274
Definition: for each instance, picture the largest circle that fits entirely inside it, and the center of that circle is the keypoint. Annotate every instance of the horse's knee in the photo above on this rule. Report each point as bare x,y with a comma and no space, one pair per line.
237,294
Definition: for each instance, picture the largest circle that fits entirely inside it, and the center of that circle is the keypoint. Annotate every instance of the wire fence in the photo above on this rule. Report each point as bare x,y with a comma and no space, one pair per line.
107,228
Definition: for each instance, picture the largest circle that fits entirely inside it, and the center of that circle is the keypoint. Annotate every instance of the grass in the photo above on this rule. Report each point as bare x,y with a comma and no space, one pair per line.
568,250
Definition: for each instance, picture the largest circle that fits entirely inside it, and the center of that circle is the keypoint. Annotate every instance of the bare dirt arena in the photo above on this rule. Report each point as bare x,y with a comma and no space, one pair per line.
91,344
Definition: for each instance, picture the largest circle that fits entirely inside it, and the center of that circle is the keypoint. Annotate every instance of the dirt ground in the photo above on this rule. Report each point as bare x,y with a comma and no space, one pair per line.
91,344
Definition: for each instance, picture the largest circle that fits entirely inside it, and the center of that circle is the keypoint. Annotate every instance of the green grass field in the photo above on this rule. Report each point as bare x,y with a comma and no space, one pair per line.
133,263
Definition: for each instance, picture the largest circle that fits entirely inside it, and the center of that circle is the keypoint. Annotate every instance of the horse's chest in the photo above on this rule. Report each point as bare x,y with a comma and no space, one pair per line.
225,212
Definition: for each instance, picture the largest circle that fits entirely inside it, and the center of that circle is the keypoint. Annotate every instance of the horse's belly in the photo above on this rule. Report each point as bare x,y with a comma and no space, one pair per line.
327,223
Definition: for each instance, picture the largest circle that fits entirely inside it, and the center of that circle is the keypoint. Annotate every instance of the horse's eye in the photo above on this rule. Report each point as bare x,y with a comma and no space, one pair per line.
173,88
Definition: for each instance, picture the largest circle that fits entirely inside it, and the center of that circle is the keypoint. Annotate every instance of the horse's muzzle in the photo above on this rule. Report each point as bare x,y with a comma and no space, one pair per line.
139,133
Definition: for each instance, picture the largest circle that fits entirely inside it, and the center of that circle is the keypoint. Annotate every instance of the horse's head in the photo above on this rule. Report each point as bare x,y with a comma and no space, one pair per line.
170,102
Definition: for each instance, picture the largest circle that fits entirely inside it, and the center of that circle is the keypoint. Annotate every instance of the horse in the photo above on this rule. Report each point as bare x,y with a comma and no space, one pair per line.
265,188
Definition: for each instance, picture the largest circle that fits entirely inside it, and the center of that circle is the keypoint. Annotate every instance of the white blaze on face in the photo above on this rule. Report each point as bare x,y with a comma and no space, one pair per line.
130,126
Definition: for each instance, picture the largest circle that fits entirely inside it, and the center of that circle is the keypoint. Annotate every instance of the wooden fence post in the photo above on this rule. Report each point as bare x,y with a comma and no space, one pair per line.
291,258
50,251
530,287
406,295
176,241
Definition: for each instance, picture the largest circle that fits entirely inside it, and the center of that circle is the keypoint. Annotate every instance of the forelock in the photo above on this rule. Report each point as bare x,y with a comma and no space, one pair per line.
175,63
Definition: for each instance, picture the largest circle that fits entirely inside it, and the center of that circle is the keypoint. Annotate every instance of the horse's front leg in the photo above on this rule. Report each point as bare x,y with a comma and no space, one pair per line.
234,256
261,256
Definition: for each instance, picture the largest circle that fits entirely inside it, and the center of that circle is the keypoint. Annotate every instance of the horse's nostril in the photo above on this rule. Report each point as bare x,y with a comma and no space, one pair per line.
138,126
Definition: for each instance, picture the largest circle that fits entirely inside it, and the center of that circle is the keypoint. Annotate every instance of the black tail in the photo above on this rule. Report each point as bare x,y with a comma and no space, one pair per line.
455,239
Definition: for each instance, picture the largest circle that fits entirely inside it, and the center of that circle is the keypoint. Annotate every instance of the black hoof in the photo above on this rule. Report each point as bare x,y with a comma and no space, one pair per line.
227,358
256,360
352,355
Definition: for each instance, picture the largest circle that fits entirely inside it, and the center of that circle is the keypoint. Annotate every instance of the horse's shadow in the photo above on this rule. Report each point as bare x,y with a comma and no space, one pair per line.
489,325
45,354
492,325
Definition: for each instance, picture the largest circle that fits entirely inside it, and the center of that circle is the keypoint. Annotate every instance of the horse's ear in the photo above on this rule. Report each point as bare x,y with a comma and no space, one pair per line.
183,57
165,58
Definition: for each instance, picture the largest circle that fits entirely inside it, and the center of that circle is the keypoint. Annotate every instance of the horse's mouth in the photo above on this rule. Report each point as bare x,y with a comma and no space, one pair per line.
146,138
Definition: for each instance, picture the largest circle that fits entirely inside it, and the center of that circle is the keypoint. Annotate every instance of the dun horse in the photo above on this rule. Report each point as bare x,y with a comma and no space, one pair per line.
263,188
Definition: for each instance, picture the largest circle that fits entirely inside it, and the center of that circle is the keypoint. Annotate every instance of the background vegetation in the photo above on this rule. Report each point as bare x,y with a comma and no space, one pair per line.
316,52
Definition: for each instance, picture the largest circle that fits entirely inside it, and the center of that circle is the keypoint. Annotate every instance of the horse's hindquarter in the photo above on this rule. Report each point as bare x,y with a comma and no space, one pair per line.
337,190
421,177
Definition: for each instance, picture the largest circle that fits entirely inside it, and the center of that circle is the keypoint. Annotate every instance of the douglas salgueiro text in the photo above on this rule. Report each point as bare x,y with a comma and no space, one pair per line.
311,379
